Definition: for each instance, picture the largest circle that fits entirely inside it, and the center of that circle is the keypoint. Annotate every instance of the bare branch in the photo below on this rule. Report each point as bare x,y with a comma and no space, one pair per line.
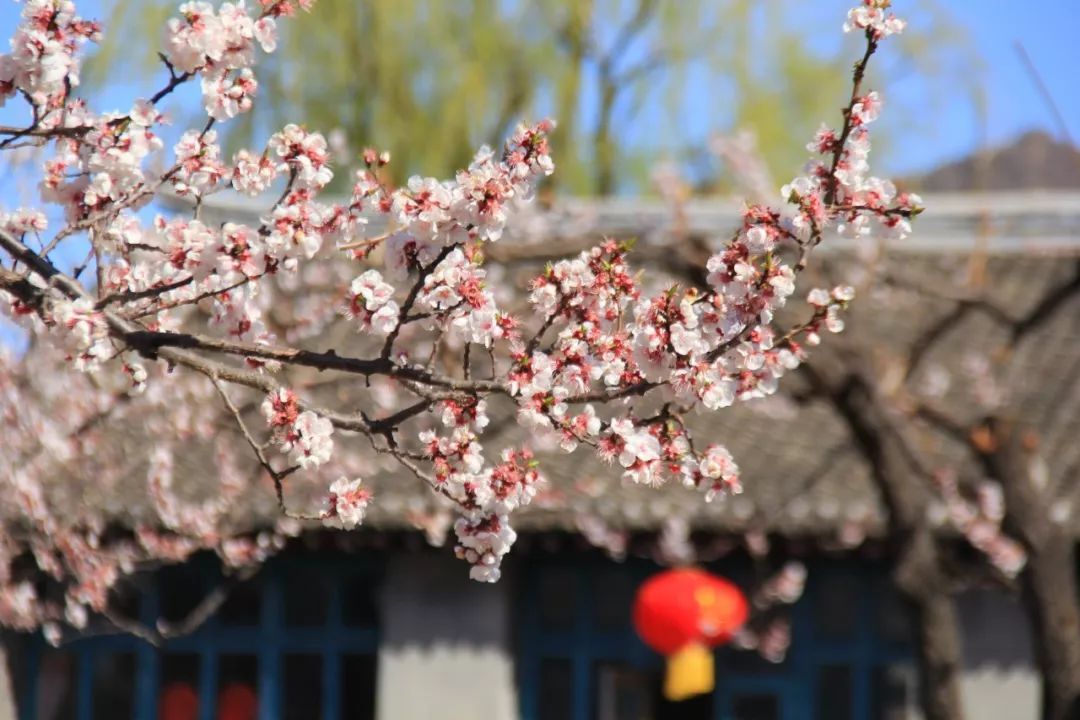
277,475
210,604
1046,308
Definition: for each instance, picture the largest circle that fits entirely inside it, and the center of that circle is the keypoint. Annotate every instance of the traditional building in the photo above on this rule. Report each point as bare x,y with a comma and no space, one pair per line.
377,623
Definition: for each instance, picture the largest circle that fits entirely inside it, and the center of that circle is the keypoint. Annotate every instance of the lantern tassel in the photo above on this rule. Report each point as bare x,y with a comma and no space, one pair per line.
690,672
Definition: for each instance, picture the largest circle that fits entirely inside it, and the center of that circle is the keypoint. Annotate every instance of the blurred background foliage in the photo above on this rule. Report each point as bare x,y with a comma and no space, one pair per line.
630,82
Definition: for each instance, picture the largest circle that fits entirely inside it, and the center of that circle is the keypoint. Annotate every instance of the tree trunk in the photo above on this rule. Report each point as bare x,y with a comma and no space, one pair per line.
565,142
939,655
1049,579
918,577
603,147
918,570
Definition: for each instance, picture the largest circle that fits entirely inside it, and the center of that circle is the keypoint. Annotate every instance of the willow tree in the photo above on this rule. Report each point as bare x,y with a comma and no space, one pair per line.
425,78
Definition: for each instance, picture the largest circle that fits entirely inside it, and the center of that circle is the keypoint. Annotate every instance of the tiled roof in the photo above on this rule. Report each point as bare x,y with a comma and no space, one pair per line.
800,471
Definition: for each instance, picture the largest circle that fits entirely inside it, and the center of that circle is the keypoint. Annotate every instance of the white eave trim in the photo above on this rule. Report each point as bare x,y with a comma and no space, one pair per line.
995,221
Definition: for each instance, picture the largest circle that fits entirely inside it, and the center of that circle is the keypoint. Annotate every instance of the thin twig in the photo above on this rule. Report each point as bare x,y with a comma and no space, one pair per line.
277,475
1044,91
202,612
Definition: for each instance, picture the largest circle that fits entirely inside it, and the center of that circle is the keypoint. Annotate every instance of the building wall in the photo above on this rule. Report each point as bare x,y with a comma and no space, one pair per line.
7,692
445,650
1000,678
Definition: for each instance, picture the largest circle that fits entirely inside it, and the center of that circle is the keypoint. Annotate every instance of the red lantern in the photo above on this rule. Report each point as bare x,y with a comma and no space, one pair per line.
178,702
237,701
682,614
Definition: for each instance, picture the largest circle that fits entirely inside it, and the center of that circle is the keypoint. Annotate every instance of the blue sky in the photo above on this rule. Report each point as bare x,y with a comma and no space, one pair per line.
947,123
949,128
1048,32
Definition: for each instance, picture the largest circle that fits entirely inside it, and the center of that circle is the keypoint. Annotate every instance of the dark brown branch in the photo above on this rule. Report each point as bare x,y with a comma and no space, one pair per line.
944,422
192,300
1044,311
606,395
133,295
534,342
410,300
390,422
150,342
925,342
849,122
202,612
948,294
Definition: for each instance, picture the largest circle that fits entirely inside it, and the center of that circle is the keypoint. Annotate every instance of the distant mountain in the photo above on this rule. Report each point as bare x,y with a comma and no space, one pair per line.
1035,161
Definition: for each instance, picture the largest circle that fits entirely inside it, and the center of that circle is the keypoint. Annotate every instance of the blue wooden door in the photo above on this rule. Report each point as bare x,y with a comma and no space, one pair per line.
297,642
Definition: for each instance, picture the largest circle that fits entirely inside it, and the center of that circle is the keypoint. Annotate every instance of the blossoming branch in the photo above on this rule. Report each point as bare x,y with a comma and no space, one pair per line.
185,314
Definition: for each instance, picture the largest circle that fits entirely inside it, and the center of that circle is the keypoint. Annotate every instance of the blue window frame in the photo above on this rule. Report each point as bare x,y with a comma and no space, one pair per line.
580,658
305,625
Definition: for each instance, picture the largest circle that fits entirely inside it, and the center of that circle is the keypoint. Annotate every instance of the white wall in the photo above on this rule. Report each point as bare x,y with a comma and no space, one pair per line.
445,651
7,694
1000,679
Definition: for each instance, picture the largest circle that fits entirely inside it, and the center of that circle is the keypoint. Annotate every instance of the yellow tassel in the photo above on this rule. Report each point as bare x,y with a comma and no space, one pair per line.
690,672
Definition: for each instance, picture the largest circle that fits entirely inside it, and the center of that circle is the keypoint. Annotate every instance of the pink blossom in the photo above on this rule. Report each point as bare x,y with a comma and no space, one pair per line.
198,156
23,220
871,17
252,174
867,109
308,440
304,154
228,93
371,303
348,503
